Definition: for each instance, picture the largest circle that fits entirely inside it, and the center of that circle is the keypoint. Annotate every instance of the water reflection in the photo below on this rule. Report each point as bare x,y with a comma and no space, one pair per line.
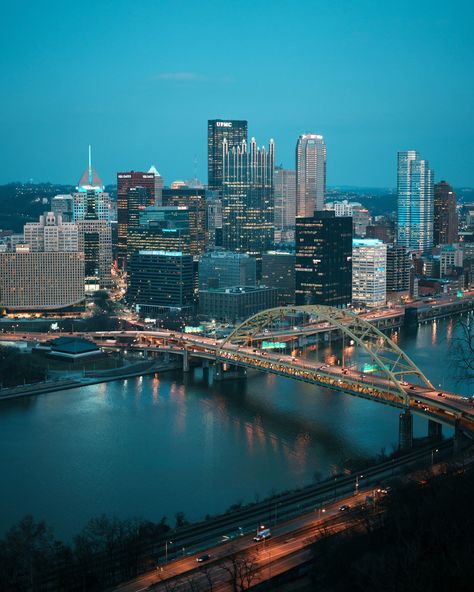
212,443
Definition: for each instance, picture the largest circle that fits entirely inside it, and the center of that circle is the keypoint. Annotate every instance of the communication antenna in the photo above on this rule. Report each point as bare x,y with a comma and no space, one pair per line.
90,165
195,166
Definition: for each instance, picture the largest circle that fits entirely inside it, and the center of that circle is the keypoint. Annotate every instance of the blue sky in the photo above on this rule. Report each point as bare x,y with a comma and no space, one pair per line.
138,80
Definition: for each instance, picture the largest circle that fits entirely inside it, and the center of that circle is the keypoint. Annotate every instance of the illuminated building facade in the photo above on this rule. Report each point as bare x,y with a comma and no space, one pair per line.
310,174
234,132
414,202
369,272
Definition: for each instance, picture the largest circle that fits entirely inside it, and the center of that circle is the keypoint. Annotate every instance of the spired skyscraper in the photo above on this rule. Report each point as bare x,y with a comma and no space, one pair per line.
310,174
247,199
414,201
235,132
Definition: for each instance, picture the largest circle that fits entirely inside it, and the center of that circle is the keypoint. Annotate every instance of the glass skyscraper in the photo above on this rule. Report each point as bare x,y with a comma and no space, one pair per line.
310,174
234,132
414,201
247,199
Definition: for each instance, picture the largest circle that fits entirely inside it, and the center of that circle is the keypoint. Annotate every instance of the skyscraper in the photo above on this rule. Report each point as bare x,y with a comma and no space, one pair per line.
323,269
414,202
369,272
235,132
445,231
195,202
247,199
135,191
310,174
285,203
90,186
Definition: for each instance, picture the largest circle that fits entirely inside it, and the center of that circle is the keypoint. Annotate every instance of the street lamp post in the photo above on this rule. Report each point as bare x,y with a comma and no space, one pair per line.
166,549
357,484
432,455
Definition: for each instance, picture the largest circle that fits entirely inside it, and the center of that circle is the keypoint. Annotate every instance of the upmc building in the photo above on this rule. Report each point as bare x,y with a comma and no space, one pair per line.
217,129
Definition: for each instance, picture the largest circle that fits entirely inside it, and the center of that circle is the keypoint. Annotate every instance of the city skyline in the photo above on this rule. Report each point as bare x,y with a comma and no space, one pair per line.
151,95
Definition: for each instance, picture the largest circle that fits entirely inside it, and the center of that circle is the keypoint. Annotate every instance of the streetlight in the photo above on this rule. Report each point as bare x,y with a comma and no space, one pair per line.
321,510
166,549
432,455
357,484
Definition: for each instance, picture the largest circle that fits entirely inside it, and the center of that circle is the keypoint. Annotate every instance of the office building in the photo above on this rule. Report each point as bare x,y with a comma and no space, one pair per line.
51,234
278,271
160,282
95,241
398,268
323,268
63,205
450,257
233,305
234,132
384,231
224,269
161,228
369,273
213,220
310,174
159,184
284,181
135,191
91,187
247,199
414,202
41,281
445,228
195,202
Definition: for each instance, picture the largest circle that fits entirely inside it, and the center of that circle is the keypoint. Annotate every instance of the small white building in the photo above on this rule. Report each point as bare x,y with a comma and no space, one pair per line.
369,272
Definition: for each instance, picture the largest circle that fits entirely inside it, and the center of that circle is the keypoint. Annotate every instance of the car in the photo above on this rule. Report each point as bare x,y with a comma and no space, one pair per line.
344,508
413,388
440,395
203,558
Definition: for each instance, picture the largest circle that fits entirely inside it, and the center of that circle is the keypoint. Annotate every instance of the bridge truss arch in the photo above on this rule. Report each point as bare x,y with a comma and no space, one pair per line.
389,359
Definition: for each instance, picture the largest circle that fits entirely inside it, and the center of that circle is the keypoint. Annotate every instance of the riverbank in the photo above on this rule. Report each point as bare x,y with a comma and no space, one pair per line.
59,384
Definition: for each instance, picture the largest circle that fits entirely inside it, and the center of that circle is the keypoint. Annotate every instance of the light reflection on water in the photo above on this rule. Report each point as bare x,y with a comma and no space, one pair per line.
157,445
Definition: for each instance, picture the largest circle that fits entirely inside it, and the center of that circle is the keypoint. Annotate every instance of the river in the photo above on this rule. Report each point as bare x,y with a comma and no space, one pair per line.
152,447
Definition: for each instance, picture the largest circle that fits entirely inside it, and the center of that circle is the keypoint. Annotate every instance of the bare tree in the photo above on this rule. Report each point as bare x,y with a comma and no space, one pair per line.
242,569
462,349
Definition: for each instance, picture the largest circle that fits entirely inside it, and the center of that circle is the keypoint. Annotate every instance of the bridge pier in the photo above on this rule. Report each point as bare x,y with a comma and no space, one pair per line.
231,372
405,430
186,361
435,430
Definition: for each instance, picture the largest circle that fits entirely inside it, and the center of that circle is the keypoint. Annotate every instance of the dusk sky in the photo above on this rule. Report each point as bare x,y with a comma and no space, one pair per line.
138,80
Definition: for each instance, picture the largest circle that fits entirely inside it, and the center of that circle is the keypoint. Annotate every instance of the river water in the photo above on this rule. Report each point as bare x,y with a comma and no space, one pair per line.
152,447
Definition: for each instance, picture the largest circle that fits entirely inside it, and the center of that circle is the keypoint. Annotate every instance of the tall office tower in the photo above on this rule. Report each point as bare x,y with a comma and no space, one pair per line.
41,281
369,272
234,131
51,234
88,186
323,268
160,281
415,201
450,256
310,174
159,184
224,269
95,241
135,191
63,205
247,199
195,201
213,219
398,268
284,181
445,230
160,229
278,271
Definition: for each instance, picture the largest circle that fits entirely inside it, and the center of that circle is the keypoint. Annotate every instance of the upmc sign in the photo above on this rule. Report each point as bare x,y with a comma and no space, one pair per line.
224,123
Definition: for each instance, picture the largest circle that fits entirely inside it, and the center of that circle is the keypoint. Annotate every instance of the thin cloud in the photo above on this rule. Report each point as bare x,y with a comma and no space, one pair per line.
178,76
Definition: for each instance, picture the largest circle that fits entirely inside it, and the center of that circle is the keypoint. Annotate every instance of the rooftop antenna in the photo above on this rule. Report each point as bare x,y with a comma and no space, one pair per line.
90,165
195,166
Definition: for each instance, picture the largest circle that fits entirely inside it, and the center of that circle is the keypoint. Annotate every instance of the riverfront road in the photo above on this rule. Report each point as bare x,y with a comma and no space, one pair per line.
289,516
